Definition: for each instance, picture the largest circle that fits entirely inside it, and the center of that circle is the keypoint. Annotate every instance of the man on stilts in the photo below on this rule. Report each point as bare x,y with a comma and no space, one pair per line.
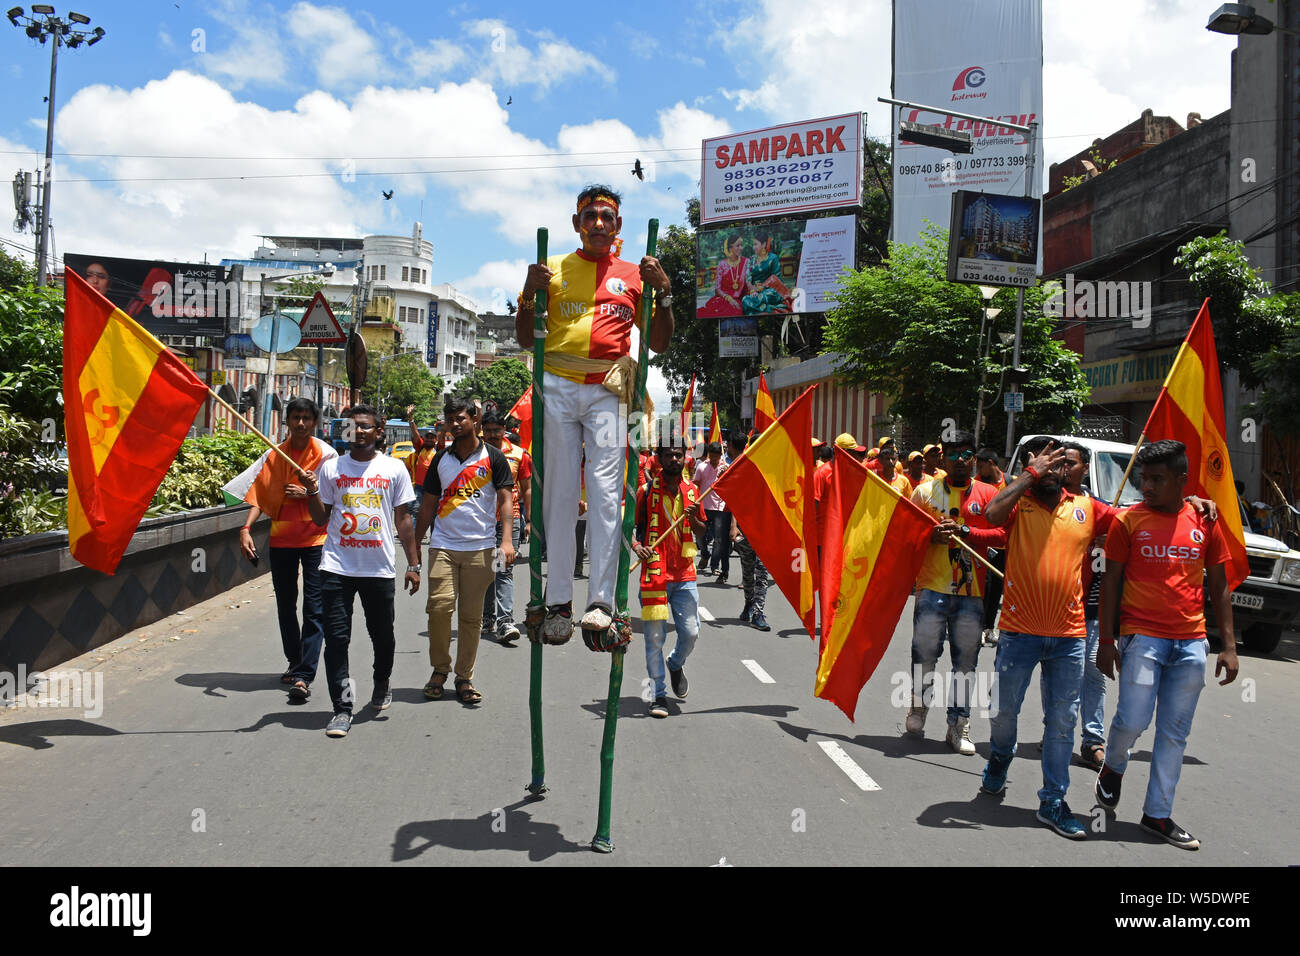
594,299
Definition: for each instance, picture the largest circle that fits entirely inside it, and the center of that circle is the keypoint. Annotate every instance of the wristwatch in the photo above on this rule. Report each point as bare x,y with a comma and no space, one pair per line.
665,298
412,567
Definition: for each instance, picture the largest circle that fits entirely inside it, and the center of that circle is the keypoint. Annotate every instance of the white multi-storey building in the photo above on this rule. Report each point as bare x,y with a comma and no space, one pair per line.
397,271
455,331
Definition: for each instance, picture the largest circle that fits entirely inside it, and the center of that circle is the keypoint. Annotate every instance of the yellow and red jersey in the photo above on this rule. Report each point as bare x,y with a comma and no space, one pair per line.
591,307
1164,556
418,464
1044,574
948,569
521,467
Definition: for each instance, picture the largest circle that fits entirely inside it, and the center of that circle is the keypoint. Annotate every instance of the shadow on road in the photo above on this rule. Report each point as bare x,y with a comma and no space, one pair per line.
36,734
504,829
982,810
314,720
239,683
635,708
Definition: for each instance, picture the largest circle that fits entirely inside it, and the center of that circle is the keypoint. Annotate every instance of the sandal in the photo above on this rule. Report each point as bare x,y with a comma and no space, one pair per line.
287,677
433,689
1093,756
466,693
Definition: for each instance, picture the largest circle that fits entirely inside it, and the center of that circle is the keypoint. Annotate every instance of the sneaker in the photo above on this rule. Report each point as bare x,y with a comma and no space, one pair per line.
597,618
382,698
916,720
300,690
339,724
1107,788
678,679
1056,814
1170,832
959,737
994,780
759,621
558,626
659,708
509,633
746,611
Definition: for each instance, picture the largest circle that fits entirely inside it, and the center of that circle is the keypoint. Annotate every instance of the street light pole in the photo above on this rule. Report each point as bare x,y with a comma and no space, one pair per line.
42,238
1020,293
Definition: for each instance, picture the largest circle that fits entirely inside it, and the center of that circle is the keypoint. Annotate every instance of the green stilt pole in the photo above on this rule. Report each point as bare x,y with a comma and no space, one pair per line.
602,843
536,596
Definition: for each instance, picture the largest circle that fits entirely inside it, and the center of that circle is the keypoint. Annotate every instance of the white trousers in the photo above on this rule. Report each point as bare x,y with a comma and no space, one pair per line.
582,417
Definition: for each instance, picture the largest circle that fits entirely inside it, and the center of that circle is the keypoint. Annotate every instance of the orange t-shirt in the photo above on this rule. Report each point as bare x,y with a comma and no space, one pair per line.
821,485
1165,557
293,527
1043,591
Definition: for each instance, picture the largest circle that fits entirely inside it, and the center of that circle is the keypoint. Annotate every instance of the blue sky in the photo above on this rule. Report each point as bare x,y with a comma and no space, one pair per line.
338,103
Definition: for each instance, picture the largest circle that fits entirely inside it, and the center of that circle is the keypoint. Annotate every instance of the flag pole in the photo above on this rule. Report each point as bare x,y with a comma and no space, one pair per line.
1142,440
659,537
270,444
535,616
958,541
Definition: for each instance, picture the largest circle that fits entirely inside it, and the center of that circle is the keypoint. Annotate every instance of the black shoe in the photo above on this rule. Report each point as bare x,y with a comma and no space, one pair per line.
1170,832
382,698
659,708
678,679
1107,789
760,622
746,611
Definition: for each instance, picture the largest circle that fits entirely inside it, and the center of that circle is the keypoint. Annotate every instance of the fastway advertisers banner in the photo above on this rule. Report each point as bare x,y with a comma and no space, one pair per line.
796,167
981,58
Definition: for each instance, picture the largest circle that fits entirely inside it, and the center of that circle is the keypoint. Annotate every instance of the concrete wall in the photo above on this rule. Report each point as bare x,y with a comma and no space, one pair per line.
53,609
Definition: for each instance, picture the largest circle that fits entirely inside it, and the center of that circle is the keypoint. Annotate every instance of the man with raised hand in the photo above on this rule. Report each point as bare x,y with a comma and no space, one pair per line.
1042,622
1162,555
593,302
467,500
949,603
361,499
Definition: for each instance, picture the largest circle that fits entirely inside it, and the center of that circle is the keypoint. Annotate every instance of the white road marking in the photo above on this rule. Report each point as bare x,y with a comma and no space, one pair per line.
706,614
763,676
847,764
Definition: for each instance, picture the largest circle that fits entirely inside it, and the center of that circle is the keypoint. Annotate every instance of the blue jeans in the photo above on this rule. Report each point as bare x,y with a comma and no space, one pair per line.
717,541
1092,700
499,599
339,593
1156,670
301,645
958,619
1062,675
684,601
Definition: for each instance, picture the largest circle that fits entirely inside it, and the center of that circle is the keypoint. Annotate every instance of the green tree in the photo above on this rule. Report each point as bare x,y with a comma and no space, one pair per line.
31,343
503,382
910,334
1248,321
405,380
15,273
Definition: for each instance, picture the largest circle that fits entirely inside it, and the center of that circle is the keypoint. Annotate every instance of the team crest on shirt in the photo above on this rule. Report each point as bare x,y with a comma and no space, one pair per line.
616,286
1079,516
482,471
974,508
1197,536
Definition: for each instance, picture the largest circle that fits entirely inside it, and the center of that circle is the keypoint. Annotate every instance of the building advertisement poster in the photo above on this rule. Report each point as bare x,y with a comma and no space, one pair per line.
431,342
987,60
167,298
795,167
993,240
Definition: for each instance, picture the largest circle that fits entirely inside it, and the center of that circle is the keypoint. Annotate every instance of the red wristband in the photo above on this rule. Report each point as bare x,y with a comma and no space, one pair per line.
1031,471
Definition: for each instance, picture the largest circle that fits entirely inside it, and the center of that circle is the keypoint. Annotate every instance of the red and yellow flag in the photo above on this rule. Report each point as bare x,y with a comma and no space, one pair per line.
769,490
864,583
715,430
686,405
764,409
127,404
523,411
1189,409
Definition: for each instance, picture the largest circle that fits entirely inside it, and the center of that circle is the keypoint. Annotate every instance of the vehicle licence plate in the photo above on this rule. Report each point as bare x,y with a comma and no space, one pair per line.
1253,601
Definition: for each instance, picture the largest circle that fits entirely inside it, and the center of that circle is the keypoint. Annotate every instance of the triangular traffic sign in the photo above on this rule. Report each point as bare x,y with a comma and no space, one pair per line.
319,327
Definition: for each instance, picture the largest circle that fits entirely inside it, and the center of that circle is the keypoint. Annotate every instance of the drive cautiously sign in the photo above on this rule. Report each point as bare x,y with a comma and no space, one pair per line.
796,167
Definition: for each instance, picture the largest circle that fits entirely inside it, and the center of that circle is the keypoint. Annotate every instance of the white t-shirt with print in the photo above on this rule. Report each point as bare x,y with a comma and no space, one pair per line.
359,535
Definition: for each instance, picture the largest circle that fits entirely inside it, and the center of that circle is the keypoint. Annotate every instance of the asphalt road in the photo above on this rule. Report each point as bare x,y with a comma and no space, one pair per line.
198,759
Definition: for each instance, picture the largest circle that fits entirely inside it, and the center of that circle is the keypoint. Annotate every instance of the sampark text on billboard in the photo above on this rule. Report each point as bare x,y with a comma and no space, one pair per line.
795,167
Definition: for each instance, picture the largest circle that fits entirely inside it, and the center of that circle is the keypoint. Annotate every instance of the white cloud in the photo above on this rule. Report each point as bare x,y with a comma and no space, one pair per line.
256,53
504,58
436,57
493,283
339,49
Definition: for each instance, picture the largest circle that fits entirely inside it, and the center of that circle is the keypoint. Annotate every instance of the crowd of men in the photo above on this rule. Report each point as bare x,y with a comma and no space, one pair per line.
1017,553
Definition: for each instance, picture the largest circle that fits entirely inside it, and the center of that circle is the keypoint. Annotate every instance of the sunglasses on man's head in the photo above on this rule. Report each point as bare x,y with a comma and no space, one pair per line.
966,455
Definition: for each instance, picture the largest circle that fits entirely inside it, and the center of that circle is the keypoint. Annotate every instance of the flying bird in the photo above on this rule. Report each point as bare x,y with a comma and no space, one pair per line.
509,100
510,307
638,172
388,194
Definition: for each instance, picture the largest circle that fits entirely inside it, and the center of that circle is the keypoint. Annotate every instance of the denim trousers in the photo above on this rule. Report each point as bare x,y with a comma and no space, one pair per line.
684,602
937,617
1165,677
499,600
1092,699
717,541
338,594
1062,660
301,644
